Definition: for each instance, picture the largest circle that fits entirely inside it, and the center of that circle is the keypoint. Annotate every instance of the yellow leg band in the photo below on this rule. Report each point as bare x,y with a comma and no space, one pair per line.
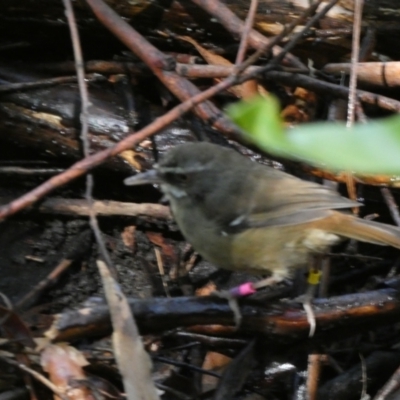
314,277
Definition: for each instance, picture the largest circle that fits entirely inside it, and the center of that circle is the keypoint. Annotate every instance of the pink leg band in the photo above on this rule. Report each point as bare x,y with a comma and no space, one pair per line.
245,289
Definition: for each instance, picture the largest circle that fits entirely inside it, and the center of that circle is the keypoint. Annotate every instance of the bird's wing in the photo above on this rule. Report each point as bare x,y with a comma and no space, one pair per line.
287,200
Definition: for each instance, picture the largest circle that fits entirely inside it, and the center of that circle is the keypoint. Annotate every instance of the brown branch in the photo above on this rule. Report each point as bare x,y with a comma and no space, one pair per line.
29,171
248,26
15,87
236,27
308,82
102,207
277,321
84,120
355,50
313,374
291,79
162,66
352,99
298,36
374,180
96,66
83,166
285,32
39,377
385,74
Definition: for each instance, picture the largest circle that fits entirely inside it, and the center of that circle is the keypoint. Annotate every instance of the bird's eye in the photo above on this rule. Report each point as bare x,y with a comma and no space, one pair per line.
176,177
181,178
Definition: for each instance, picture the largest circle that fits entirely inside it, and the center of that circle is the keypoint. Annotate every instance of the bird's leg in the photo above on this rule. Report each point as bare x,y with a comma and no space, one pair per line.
313,280
233,294
247,289
233,304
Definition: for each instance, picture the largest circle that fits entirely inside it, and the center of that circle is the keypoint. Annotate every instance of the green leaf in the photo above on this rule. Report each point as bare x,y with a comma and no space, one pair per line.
372,148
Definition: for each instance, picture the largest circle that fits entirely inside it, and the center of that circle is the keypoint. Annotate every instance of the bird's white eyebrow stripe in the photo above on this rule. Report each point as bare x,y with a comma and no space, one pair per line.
184,170
238,220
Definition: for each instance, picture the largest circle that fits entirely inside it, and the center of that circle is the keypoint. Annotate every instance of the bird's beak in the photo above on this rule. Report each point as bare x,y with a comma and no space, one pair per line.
151,177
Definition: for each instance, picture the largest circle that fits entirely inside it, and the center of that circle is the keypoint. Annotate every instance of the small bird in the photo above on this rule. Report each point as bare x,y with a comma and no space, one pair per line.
244,216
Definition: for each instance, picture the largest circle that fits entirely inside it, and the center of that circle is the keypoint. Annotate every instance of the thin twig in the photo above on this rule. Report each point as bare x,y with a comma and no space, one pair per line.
14,87
94,224
364,376
297,37
248,25
308,82
29,171
355,49
102,207
291,79
161,270
85,104
351,106
235,26
314,373
162,66
392,205
275,40
79,65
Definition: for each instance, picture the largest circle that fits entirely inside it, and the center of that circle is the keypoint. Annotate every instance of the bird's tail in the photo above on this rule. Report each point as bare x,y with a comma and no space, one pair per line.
364,230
